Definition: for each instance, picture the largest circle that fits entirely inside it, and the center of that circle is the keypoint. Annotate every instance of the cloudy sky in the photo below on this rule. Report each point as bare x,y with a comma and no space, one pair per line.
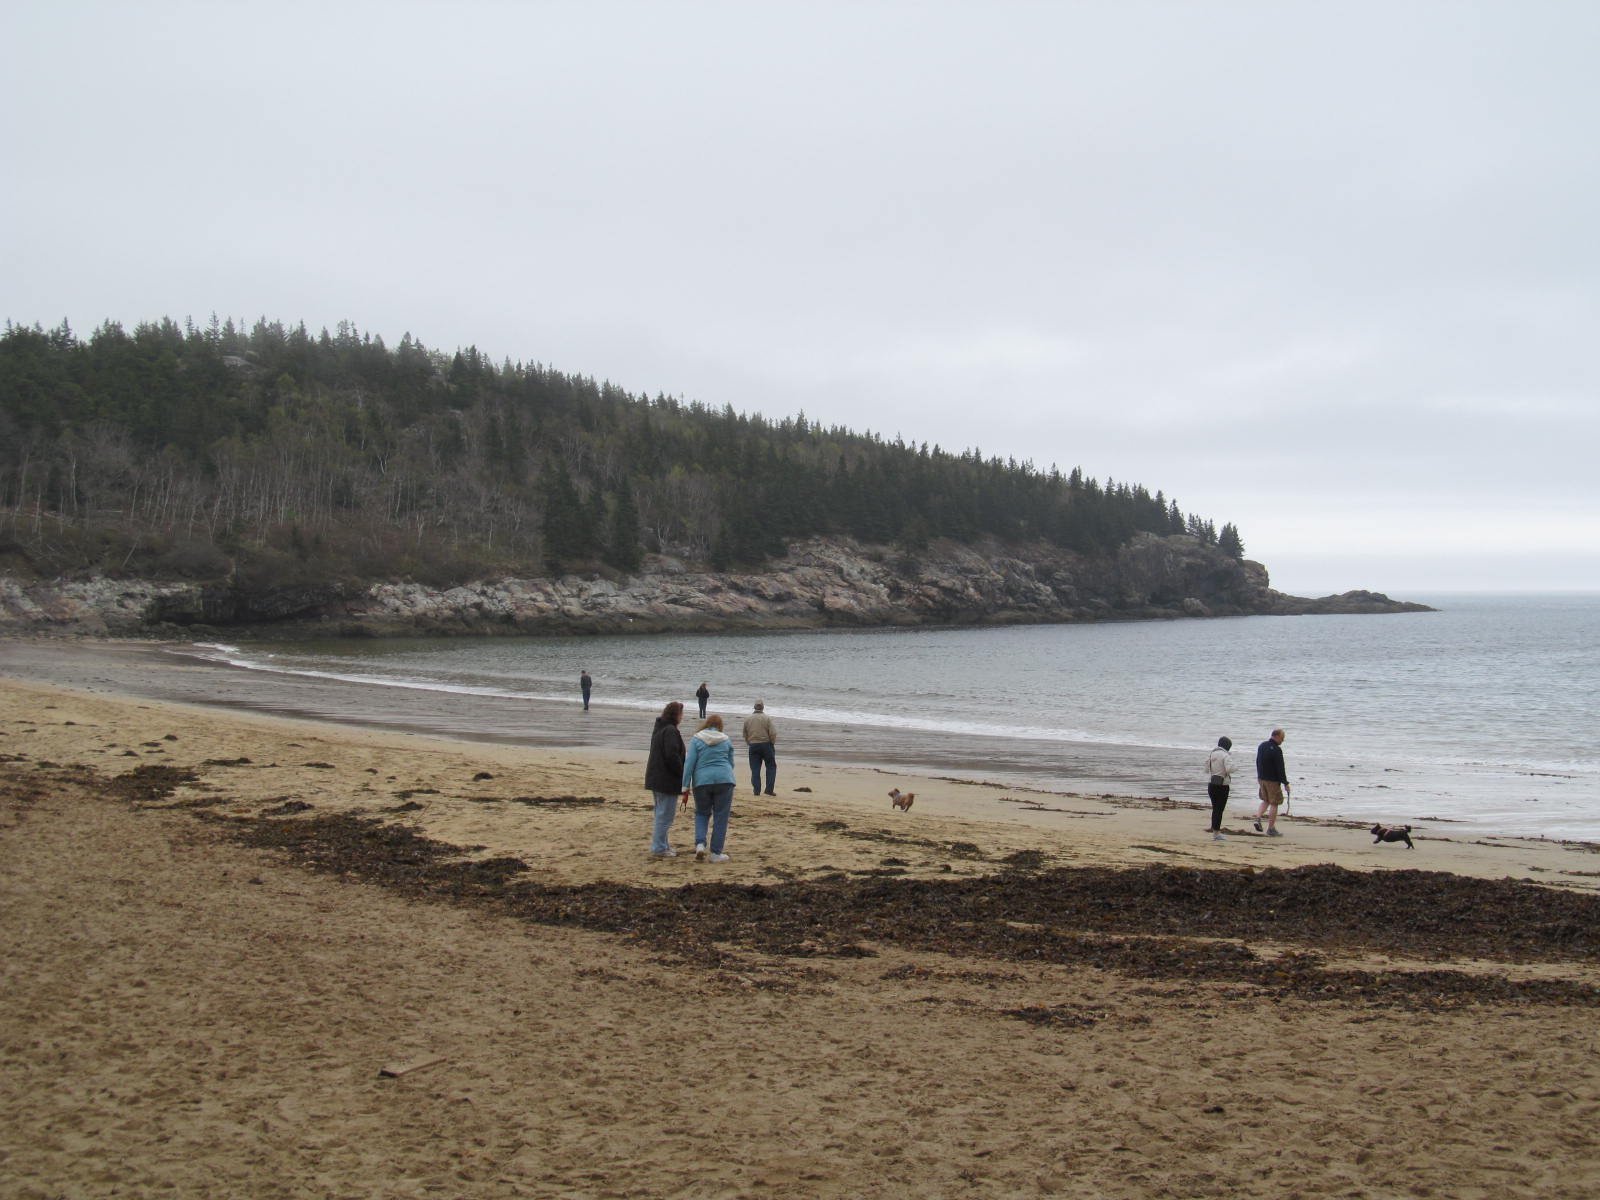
1329,271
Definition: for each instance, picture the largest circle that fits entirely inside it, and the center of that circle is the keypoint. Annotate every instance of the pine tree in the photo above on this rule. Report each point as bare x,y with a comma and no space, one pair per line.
1229,542
623,550
568,526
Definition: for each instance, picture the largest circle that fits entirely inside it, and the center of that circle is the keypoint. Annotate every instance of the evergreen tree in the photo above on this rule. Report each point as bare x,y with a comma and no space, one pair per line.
568,522
1229,542
623,550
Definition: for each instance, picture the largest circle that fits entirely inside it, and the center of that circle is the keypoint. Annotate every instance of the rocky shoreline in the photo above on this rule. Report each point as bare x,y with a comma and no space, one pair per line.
820,583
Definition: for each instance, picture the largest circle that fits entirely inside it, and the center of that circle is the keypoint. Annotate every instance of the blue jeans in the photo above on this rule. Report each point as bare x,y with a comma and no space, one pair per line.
666,809
763,752
713,802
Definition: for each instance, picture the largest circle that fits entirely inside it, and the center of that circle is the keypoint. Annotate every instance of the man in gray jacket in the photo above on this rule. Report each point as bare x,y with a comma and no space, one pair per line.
762,738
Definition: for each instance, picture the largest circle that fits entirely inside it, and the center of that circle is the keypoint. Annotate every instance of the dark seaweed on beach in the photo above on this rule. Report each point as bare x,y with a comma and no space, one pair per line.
966,850
1158,922
149,784
287,808
1025,860
368,848
1057,1015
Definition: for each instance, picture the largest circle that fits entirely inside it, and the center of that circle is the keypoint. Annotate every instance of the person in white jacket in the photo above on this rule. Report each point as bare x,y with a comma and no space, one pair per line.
1219,766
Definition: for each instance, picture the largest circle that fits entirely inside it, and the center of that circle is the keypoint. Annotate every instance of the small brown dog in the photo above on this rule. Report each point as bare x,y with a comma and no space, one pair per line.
901,800
1392,833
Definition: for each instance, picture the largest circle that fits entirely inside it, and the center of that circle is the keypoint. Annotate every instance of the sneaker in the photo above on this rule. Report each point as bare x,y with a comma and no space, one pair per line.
1217,837
1273,833
769,792
1258,824
669,852
699,852
719,858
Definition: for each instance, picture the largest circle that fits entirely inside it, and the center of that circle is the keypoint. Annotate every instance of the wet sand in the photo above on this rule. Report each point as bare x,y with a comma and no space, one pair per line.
221,926
163,671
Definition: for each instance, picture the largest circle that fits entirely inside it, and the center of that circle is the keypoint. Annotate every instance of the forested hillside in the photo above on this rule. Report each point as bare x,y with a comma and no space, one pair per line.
187,452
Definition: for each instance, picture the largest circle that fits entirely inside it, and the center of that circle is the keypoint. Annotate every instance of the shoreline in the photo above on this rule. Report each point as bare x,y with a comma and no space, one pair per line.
176,672
603,753
831,582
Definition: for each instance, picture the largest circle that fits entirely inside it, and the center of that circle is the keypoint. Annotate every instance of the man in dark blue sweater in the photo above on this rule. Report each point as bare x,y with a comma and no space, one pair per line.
1272,781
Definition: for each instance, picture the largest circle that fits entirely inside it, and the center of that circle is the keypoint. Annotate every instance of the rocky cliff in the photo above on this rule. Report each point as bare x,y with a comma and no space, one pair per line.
819,583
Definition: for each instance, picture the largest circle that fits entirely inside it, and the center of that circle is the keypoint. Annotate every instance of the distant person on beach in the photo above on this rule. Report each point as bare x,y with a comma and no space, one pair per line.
663,775
702,694
587,685
708,773
1272,781
1219,766
762,739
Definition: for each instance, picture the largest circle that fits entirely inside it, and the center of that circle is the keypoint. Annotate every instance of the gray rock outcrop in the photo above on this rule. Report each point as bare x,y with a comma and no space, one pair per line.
821,582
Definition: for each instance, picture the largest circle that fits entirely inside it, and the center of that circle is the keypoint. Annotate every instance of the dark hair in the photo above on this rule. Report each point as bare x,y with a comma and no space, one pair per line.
1225,743
672,712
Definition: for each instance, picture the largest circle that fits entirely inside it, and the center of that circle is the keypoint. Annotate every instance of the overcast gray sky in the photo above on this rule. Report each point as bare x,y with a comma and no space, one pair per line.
1329,271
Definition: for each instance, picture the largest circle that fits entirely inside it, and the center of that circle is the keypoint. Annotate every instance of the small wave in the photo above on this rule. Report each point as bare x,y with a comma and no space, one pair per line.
234,657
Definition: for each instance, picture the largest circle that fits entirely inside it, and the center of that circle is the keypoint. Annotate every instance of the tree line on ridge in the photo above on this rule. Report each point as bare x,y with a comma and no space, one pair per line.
271,453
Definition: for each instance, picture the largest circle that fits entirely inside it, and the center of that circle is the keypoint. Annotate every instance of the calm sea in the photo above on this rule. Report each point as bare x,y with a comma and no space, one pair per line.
1482,713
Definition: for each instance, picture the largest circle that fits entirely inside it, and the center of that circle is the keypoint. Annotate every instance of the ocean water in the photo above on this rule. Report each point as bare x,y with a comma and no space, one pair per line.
1483,713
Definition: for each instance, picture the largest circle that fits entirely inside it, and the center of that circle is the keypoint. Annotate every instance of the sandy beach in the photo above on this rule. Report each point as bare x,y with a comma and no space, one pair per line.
253,955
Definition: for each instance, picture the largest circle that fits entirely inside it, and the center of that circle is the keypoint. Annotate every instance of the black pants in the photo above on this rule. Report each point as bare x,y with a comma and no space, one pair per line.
767,753
1219,804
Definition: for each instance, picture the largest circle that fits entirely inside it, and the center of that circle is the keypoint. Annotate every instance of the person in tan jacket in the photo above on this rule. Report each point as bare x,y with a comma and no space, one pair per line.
762,738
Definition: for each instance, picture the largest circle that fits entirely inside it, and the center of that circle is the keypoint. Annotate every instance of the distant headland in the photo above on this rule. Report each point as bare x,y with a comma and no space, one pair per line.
819,583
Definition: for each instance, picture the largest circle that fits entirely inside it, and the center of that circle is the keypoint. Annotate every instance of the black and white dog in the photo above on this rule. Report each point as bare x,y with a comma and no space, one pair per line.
1392,833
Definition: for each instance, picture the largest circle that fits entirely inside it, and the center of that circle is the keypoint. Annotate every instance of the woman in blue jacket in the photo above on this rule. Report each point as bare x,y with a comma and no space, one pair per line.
708,773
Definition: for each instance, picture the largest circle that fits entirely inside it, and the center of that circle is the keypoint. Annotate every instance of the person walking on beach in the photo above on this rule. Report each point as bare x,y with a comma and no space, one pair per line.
762,738
663,774
586,685
1272,781
1219,766
708,773
703,694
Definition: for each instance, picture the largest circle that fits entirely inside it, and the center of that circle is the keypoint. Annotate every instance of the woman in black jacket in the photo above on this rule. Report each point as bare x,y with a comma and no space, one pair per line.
663,775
